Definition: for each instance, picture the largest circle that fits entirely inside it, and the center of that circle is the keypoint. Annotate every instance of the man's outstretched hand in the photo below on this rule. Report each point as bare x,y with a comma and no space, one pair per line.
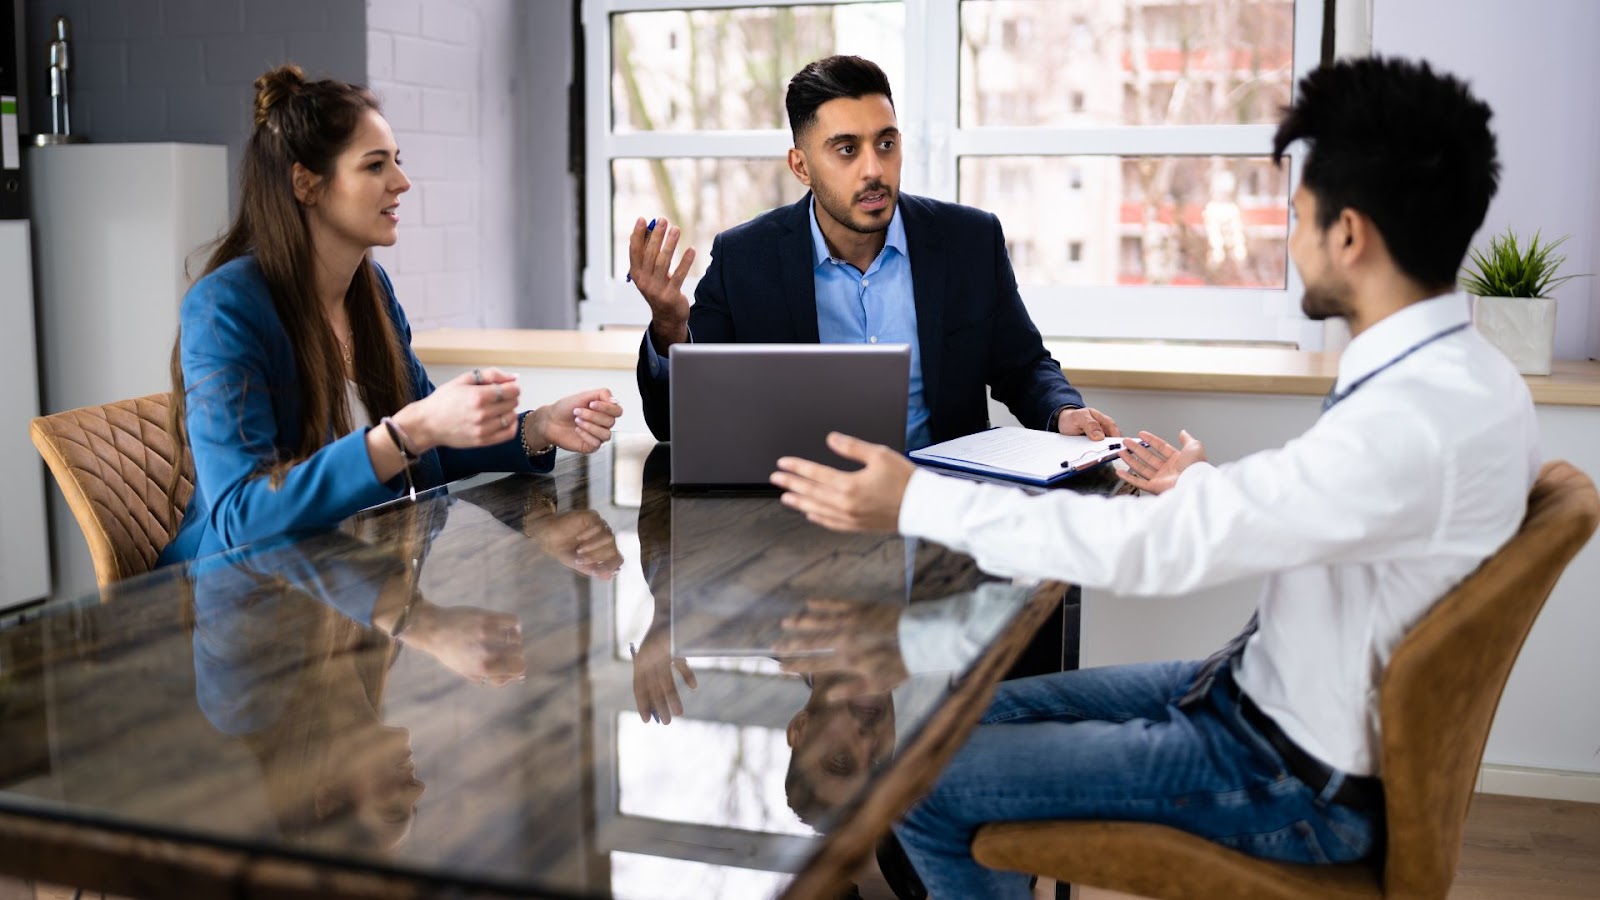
864,500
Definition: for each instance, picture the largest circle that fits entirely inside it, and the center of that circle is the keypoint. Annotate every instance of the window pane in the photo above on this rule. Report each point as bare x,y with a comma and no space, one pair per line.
722,775
1125,62
635,876
1163,220
701,196
728,69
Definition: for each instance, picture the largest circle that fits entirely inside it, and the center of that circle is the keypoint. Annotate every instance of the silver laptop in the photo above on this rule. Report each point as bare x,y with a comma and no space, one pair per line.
736,408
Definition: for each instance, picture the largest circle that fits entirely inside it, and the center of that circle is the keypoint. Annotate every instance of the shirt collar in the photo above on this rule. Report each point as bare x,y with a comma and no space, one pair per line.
819,245
1399,332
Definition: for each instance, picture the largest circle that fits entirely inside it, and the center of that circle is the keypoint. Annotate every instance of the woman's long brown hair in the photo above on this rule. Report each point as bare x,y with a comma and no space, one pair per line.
309,123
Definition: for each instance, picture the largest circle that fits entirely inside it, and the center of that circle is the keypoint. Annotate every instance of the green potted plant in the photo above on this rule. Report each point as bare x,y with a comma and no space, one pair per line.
1511,284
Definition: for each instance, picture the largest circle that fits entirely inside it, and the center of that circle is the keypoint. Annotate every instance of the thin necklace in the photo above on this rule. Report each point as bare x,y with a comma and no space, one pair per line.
349,357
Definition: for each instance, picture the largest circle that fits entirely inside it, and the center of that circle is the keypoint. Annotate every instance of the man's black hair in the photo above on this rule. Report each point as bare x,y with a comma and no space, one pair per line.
1407,147
829,79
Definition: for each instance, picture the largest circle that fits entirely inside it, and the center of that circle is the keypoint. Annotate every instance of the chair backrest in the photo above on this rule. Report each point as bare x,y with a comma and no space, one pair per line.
114,463
1441,688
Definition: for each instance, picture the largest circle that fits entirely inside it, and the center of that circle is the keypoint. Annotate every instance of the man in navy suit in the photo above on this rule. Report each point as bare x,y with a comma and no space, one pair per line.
856,261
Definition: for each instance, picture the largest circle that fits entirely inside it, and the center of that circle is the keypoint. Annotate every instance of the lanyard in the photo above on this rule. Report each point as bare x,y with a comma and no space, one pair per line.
1334,397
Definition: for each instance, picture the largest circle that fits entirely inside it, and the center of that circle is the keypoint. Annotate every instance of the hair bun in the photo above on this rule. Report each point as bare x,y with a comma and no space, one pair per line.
275,86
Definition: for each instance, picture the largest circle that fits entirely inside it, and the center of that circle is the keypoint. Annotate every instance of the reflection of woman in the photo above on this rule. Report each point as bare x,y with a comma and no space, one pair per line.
294,383
302,686
335,775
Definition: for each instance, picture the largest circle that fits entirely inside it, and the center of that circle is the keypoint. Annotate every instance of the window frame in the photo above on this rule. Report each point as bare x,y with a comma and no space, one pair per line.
928,106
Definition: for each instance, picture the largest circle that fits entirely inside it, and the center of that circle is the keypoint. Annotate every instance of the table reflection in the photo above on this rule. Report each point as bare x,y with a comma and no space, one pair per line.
443,690
727,581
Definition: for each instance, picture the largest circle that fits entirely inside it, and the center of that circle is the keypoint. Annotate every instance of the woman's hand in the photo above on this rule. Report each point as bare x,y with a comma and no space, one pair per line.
581,422
580,540
473,409
477,644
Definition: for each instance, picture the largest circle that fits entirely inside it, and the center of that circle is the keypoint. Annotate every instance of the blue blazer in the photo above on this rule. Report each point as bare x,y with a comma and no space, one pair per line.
971,326
243,414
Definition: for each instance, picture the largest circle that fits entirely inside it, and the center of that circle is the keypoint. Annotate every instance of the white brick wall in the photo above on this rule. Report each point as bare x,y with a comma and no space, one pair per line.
476,93
424,60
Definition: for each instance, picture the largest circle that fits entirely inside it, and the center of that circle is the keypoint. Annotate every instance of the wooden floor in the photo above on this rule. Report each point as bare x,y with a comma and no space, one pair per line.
1514,849
1530,850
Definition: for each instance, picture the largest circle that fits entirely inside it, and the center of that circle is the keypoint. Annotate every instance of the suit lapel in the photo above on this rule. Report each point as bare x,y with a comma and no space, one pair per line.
929,268
797,272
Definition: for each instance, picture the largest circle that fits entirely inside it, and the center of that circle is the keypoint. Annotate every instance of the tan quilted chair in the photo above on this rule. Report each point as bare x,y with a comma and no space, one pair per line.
1438,698
114,463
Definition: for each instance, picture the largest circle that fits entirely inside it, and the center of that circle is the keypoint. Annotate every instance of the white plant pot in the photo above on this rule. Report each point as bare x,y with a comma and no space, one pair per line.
1524,328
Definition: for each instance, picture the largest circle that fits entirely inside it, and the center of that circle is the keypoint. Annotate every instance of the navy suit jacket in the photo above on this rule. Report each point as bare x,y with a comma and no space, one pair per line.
971,326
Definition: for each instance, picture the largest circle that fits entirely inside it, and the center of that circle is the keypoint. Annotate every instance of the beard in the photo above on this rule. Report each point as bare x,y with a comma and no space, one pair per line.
1326,300
843,210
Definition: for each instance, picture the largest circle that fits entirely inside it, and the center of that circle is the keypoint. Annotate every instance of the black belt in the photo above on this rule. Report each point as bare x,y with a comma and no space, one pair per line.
1357,791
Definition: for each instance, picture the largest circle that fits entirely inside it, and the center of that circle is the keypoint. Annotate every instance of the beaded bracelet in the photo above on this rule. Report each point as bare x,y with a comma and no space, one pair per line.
527,449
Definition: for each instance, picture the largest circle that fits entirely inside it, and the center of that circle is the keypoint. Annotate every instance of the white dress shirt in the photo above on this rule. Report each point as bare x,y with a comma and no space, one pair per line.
1385,503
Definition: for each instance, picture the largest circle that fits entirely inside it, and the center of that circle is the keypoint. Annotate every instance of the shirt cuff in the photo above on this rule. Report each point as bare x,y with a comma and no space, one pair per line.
1056,416
930,504
660,366
1196,472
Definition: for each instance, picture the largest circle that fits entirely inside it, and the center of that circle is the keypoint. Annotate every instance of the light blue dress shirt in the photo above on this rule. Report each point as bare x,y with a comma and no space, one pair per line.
875,307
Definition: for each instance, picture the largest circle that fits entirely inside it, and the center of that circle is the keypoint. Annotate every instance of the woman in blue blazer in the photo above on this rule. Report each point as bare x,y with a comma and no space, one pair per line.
294,384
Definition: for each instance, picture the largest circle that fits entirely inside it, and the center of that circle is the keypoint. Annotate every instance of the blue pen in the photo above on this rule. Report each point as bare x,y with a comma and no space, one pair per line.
647,229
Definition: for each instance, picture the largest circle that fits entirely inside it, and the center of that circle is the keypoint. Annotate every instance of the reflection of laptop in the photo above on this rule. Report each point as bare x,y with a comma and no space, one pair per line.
742,564
736,408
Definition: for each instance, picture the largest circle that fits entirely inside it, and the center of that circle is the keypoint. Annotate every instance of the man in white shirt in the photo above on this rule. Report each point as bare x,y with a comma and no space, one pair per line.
1418,469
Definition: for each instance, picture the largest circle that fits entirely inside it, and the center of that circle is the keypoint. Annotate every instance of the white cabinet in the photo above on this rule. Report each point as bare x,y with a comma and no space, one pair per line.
114,225
24,551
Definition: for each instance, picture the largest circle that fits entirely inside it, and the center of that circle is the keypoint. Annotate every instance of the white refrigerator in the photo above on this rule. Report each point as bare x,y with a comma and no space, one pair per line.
24,540
114,225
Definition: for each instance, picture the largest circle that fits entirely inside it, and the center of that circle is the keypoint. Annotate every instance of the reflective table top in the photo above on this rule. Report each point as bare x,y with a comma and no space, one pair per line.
577,685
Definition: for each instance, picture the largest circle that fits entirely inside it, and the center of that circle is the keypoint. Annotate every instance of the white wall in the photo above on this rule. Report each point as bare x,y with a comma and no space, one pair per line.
476,91
1535,64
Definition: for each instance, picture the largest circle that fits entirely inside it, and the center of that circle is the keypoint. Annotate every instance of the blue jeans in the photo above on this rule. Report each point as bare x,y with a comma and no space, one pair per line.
1110,743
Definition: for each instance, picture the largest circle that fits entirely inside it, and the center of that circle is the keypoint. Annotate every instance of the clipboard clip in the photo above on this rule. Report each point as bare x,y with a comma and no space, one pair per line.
1092,458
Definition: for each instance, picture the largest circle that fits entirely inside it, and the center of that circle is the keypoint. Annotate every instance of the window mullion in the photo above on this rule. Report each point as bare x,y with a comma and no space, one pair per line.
933,43
595,284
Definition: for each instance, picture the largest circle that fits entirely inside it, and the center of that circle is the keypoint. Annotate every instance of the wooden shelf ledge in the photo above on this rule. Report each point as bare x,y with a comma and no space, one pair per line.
1088,364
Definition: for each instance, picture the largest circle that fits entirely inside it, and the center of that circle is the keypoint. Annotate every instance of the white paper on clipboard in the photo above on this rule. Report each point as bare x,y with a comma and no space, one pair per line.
1022,454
